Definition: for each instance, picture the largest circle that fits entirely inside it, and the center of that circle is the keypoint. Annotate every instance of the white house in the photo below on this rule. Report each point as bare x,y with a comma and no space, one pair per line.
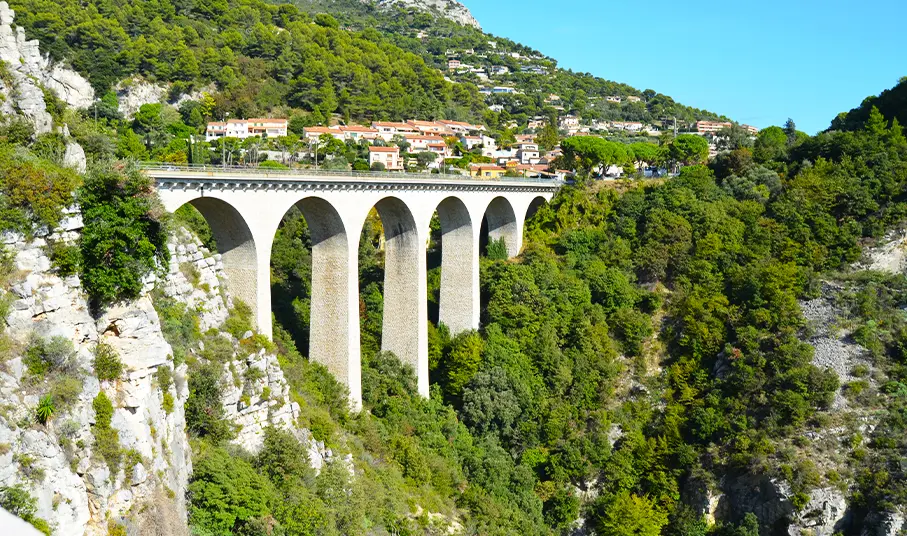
388,156
527,153
246,128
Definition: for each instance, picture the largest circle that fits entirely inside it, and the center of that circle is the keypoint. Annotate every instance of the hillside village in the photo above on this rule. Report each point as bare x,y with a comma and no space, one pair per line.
436,146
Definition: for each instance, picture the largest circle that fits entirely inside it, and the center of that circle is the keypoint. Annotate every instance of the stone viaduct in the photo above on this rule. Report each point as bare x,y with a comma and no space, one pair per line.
244,208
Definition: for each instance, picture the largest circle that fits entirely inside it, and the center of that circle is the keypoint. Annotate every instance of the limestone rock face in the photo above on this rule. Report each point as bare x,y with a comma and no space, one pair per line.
74,488
56,462
135,92
74,157
29,70
450,9
132,94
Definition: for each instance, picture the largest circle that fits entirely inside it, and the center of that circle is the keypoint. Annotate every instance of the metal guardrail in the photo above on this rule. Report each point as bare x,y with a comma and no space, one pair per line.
365,175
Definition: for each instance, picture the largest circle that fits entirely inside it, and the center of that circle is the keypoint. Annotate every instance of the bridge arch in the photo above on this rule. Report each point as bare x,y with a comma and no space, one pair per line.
405,318
503,224
535,205
459,292
237,247
333,320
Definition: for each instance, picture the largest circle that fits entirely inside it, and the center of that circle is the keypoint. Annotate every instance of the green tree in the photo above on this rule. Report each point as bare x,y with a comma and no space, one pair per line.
124,235
226,492
627,514
689,149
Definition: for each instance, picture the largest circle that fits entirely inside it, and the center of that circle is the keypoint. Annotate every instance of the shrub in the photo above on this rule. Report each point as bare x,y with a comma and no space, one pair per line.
65,391
191,273
164,376
65,258
632,327
226,491
107,364
204,411
43,356
17,501
167,403
115,529
283,460
106,439
36,192
178,324
45,409
124,235
497,250
240,320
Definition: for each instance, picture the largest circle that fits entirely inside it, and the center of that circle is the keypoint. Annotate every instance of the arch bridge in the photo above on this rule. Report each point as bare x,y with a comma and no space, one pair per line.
244,208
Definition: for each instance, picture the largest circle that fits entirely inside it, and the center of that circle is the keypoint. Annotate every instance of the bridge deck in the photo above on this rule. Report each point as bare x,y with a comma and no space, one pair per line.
220,173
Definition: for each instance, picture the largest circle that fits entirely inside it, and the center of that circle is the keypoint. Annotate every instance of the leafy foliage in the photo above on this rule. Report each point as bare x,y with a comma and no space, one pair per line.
17,501
107,364
124,236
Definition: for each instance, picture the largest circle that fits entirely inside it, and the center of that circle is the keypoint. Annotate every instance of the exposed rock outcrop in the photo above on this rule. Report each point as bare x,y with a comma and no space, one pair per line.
135,92
75,490
450,9
27,71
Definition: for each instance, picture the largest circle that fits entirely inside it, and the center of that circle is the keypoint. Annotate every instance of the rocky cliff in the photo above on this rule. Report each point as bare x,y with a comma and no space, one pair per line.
450,9
63,463
26,71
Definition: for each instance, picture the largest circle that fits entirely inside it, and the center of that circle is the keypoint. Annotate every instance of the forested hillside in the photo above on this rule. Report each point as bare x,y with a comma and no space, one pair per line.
891,102
581,93
261,58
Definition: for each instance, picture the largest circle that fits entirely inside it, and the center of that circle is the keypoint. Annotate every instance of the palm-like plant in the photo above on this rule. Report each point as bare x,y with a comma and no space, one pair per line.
45,409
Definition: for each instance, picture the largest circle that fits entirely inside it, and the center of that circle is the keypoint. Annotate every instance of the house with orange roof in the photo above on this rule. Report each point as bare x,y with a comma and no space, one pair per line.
246,128
389,157
387,130
487,171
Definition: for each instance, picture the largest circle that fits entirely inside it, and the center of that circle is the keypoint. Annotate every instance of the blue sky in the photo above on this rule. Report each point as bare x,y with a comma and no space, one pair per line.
756,62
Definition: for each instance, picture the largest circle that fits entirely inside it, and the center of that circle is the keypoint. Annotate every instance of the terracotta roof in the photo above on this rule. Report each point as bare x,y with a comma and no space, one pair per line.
375,149
391,124
358,128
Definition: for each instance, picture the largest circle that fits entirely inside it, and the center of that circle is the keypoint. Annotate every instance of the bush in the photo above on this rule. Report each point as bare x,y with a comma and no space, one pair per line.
124,235
497,250
226,491
164,376
55,355
36,192
107,364
106,439
632,327
167,403
178,324
204,411
65,258
17,501
284,460
240,320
